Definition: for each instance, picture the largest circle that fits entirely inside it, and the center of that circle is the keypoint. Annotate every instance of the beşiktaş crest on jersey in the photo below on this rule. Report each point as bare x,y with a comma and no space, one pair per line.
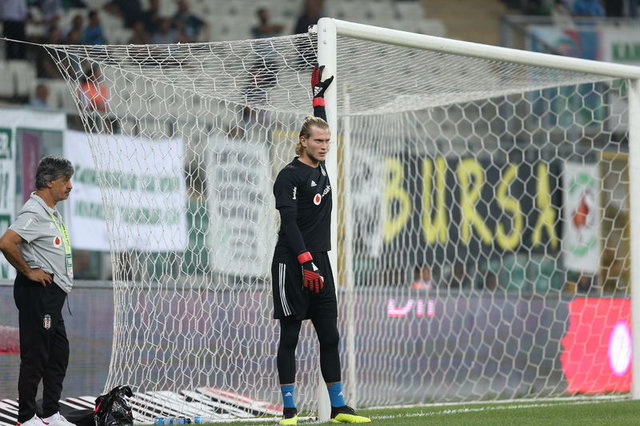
317,199
46,322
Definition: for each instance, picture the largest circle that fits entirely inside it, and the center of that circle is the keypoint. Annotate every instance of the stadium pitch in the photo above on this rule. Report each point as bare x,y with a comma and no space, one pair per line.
575,411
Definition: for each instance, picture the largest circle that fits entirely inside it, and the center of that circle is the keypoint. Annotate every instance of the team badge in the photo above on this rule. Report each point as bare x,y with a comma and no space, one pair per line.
316,199
46,322
57,242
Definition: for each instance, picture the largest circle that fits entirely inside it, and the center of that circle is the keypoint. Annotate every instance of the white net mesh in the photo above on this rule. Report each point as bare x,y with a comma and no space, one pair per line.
503,188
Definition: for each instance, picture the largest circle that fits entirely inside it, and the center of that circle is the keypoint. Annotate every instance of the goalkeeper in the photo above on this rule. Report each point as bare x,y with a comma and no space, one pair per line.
303,286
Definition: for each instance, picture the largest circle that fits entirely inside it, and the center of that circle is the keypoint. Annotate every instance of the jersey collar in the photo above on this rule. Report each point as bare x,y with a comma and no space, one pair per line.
320,164
44,205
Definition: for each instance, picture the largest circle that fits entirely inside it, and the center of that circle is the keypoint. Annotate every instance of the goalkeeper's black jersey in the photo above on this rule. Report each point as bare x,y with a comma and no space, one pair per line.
305,191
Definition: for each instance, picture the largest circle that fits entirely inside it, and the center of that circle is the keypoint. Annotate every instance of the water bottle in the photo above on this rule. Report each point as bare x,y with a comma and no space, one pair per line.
197,419
158,421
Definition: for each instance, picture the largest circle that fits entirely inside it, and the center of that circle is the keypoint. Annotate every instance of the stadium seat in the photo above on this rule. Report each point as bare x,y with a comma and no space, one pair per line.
409,10
380,11
57,91
24,77
68,101
169,7
285,11
434,27
228,8
350,11
231,28
6,81
129,127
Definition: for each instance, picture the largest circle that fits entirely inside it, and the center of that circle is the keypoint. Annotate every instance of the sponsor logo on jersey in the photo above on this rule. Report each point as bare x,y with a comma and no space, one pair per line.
295,190
326,190
57,241
313,183
317,199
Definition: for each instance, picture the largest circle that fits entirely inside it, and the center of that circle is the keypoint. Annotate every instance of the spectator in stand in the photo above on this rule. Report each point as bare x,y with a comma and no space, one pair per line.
93,34
77,25
422,279
41,97
95,98
459,279
191,24
587,8
45,68
75,37
14,15
561,15
490,281
139,34
166,34
95,94
615,8
310,15
151,17
129,10
264,28
51,13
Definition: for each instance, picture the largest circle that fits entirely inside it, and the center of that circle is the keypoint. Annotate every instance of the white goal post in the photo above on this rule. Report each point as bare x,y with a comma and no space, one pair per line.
328,31
484,221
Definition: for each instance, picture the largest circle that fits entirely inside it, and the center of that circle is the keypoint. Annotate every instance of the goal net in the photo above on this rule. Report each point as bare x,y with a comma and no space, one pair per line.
482,230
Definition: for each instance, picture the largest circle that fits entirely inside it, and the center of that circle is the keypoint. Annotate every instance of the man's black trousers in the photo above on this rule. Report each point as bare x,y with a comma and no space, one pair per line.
44,347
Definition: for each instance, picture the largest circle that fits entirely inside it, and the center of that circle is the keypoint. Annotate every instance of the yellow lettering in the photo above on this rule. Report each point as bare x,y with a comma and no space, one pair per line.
437,228
393,191
509,204
547,216
469,194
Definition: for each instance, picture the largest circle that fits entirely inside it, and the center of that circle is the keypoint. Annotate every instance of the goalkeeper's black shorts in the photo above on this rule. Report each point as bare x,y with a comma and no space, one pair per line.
290,298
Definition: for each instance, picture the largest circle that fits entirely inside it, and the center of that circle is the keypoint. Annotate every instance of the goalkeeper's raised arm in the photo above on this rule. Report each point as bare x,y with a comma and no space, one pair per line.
318,87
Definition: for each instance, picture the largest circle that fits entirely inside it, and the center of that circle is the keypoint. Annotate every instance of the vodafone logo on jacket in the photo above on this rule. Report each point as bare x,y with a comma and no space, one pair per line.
57,242
317,199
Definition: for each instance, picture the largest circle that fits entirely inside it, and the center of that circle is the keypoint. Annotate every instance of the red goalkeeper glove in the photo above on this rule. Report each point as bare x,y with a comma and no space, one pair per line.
318,85
311,278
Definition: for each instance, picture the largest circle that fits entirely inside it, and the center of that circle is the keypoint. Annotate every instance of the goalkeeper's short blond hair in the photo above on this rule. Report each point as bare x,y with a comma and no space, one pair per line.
305,131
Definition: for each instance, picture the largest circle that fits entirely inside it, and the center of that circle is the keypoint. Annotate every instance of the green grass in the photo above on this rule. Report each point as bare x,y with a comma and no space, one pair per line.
591,412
